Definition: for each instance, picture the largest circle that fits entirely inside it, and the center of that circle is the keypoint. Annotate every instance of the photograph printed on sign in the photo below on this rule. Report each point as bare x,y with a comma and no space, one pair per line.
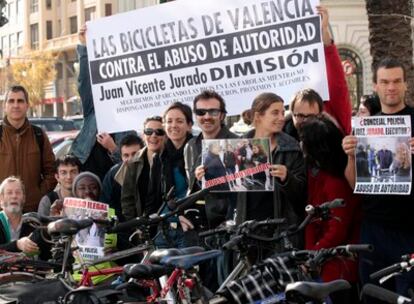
383,155
233,165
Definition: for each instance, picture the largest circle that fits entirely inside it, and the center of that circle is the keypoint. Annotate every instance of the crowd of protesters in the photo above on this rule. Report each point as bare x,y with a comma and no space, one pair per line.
313,157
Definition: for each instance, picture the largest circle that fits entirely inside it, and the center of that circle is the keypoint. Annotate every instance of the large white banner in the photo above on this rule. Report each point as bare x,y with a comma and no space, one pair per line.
144,60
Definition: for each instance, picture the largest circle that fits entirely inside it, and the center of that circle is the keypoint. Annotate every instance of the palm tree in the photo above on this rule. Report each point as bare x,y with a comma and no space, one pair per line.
390,34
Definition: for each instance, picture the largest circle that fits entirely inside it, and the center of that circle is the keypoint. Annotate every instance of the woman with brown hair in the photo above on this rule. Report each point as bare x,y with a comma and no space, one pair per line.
287,169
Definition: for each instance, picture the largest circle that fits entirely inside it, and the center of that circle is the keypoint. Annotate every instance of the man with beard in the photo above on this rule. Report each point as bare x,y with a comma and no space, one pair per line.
14,235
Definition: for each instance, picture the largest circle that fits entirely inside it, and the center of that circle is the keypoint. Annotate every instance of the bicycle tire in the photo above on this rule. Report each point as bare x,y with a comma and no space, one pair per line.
19,276
12,283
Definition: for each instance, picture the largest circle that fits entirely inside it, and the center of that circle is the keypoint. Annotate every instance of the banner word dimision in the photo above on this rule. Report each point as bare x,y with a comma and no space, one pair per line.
383,154
142,61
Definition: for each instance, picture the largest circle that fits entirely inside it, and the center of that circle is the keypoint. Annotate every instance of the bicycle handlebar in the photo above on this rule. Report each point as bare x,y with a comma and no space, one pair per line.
355,248
155,219
233,242
383,294
407,261
219,230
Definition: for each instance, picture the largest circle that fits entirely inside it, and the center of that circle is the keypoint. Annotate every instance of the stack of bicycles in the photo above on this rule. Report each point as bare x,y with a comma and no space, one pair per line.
172,275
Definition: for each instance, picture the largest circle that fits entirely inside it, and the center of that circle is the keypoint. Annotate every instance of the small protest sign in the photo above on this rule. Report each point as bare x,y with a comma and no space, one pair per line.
91,240
383,154
237,164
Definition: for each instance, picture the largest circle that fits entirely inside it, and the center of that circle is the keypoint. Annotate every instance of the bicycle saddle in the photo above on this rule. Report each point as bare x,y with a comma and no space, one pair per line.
145,271
67,226
159,254
313,291
189,260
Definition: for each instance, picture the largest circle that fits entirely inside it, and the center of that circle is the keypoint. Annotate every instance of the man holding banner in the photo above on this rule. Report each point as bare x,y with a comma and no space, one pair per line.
97,152
388,220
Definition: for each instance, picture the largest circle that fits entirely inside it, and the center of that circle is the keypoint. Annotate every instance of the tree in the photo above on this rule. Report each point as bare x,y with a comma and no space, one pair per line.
390,34
34,72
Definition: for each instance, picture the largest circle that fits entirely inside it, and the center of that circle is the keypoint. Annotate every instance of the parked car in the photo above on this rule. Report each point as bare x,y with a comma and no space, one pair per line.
77,119
56,138
62,148
50,124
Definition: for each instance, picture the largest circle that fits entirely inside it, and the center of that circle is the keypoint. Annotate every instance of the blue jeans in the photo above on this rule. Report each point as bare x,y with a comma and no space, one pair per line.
389,246
171,238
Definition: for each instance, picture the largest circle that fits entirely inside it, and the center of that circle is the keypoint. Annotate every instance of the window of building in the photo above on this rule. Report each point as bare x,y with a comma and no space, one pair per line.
13,44
108,9
59,70
49,30
353,71
34,36
126,5
71,68
90,13
10,11
19,42
59,28
49,4
73,21
19,11
4,45
34,6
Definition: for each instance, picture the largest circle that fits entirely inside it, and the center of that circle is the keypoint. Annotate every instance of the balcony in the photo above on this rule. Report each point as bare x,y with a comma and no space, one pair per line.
62,43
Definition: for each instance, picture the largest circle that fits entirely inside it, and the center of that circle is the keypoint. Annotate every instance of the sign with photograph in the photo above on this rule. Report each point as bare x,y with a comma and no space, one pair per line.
237,164
142,61
91,240
383,154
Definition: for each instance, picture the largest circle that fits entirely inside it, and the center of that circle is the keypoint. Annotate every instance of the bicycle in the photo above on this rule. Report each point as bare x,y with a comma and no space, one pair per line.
282,278
245,233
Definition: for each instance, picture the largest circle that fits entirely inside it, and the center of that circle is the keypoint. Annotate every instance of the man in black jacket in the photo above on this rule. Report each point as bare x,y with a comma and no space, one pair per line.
210,111
14,235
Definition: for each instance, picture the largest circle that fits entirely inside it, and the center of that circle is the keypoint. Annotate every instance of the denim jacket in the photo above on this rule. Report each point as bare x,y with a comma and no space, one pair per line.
86,139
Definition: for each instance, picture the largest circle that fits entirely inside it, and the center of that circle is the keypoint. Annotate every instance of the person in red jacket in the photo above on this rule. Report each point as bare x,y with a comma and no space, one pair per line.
321,143
307,103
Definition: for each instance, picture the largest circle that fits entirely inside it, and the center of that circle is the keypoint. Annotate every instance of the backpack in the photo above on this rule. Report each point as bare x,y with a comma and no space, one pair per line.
52,195
39,139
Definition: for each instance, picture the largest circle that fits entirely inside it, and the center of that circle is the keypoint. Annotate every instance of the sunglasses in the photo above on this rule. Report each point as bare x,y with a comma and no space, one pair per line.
150,131
211,112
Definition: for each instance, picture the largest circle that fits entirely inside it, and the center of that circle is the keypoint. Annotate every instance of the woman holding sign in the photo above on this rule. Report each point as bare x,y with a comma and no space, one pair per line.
287,169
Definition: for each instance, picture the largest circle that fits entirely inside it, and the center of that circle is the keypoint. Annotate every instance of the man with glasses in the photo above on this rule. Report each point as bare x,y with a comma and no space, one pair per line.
210,111
307,103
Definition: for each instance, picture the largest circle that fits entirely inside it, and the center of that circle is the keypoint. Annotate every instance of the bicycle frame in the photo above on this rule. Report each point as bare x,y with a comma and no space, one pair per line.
87,275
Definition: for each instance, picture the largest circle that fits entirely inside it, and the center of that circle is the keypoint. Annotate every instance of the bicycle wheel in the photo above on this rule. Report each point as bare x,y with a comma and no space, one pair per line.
12,284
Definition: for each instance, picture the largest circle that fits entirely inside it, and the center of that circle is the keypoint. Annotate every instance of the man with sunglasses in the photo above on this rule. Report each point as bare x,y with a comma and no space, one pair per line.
210,111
